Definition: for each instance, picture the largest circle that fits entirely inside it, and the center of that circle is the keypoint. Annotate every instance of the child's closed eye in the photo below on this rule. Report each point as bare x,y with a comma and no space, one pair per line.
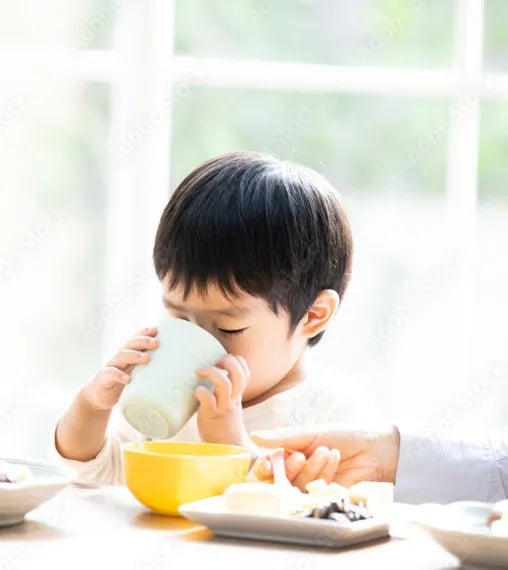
232,332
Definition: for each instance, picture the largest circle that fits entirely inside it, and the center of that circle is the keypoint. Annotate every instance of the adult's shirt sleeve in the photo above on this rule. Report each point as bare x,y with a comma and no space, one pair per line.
452,468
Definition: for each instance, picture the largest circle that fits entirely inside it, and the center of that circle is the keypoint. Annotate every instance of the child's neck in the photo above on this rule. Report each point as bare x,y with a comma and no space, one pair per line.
294,377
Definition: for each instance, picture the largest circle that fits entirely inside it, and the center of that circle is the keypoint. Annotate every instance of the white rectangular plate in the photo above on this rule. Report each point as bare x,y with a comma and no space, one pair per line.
314,532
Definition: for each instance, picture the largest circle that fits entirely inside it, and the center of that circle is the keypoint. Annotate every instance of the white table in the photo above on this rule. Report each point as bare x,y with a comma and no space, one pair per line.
105,527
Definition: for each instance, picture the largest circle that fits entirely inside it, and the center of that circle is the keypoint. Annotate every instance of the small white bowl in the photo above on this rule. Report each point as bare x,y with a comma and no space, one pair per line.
461,528
17,499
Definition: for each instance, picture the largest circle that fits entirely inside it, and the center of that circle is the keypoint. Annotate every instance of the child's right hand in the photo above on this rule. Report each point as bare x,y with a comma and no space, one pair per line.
104,391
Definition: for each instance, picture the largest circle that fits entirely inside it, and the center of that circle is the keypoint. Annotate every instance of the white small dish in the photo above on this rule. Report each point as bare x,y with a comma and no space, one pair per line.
213,514
461,528
17,499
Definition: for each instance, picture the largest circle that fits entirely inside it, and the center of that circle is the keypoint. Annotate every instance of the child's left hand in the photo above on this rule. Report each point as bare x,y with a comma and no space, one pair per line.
322,464
220,418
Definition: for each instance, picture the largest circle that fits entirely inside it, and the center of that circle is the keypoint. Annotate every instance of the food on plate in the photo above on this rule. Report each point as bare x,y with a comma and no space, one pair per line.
342,511
498,511
277,499
257,498
319,492
14,473
500,527
376,496
498,519
321,501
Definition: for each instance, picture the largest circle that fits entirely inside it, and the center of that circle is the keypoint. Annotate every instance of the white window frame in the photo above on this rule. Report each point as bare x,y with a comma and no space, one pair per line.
144,70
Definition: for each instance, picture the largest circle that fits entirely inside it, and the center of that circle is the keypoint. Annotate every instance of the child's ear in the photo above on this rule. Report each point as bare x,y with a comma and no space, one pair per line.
320,314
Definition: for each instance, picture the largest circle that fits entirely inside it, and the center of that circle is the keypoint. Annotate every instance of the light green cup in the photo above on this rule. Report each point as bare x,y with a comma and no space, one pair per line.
159,399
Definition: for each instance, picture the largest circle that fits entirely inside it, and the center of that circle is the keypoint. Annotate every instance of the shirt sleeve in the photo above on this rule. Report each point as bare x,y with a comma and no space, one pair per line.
106,467
446,469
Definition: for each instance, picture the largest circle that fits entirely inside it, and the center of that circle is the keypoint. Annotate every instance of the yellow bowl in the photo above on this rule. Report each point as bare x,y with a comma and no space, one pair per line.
163,475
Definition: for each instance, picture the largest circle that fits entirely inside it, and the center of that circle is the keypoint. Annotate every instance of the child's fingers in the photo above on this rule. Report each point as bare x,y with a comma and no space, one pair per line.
150,331
330,469
126,357
313,467
236,375
206,399
222,385
142,343
245,366
111,376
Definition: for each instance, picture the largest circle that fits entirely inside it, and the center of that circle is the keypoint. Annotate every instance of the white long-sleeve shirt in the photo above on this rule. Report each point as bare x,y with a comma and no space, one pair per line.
452,468
306,403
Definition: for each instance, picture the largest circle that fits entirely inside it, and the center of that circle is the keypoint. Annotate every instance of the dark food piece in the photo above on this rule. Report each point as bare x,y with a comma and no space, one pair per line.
339,511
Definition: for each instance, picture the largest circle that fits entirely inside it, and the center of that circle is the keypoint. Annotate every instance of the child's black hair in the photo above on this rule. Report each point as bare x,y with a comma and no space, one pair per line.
249,221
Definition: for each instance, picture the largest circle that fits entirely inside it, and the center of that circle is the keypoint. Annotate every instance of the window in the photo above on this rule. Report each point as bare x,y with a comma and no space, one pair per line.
104,105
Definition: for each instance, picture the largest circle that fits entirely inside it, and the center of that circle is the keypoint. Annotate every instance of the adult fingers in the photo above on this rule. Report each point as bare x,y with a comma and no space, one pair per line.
312,468
329,471
298,439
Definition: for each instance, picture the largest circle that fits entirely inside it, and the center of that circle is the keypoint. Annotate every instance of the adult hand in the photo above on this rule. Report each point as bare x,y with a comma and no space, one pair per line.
365,454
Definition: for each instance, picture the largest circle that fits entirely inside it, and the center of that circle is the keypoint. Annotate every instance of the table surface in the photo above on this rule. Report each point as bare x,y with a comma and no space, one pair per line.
105,527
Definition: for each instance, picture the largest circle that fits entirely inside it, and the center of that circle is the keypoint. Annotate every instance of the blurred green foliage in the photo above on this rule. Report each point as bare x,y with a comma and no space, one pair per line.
363,143
496,35
364,32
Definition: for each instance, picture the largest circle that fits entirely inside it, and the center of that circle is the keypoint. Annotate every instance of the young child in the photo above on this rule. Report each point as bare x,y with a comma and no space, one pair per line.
258,252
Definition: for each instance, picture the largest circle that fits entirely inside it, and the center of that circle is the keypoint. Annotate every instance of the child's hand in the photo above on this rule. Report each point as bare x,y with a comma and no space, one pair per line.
220,418
104,391
322,464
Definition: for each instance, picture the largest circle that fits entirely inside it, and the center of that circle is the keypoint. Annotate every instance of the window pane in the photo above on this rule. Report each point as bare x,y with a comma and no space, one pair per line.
387,157
363,143
491,301
53,157
496,38
493,152
81,24
365,32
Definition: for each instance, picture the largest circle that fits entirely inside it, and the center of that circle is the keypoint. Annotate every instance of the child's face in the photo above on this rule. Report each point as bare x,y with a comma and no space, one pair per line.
263,338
